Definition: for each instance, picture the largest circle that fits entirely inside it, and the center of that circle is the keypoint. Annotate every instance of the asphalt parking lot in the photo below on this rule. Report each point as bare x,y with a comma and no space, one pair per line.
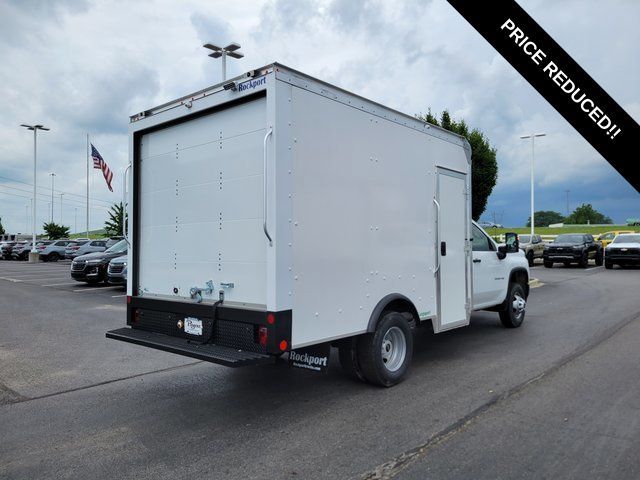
556,398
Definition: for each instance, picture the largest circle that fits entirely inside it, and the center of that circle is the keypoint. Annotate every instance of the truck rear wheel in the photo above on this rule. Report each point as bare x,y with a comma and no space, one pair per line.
513,315
384,356
530,257
348,355
599,258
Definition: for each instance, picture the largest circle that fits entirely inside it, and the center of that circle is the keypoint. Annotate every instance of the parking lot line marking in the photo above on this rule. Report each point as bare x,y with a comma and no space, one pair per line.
46,279
58,284
118,296
27,277
11,279
95,288
592,268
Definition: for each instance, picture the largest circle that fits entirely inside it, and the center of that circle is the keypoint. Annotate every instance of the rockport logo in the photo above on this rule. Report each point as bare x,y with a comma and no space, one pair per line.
313,358
251,84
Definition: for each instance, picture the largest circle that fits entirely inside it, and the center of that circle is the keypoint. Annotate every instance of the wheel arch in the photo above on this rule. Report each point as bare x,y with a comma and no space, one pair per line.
520,275
392,302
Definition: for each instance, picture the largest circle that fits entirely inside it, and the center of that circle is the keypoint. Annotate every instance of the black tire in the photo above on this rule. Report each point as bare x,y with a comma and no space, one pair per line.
548,264
392,330
512,316
599,258
53,257
530,257
348,355
584,260
566,264
608,265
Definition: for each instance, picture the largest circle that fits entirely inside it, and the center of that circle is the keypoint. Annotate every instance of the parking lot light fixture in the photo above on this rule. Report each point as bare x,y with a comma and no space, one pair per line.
35,129
230,50
533,156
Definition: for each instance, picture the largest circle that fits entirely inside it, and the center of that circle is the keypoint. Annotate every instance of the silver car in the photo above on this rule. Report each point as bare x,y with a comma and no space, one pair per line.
54,251
117,271
77,248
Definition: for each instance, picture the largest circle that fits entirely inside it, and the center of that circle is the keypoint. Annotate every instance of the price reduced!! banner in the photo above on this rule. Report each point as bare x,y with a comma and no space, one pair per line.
560,80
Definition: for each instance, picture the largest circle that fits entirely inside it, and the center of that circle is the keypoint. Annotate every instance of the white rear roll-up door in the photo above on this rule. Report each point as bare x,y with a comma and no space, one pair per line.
201,200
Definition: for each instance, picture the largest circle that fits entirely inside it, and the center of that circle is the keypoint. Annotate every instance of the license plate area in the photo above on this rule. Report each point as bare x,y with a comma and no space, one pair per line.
193,326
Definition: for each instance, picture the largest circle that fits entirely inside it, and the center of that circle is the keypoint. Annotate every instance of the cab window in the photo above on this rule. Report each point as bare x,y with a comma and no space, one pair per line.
480,242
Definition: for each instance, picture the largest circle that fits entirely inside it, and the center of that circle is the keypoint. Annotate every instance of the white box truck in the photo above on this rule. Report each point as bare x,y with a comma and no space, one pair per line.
275,213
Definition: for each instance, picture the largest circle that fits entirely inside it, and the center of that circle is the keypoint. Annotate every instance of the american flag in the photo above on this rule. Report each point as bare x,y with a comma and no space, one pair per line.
99,163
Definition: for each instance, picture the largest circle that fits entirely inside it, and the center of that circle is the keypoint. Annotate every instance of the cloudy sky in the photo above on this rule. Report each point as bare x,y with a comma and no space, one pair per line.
83,67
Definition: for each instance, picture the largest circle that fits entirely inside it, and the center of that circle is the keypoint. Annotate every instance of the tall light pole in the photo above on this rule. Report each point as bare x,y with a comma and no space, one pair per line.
230,50
533,159
53,175
33,256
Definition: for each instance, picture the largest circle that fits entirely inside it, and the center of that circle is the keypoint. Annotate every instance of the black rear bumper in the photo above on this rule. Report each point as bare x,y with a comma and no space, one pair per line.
256,336
227,356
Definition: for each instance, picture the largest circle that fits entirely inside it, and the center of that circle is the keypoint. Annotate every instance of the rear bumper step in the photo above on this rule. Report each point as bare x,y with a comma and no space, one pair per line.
227,356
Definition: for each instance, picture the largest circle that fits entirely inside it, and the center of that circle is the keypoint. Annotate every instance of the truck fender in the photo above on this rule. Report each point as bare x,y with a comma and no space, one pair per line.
393,302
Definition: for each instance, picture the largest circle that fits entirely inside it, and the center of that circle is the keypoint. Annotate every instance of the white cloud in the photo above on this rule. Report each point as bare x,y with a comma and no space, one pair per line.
87,65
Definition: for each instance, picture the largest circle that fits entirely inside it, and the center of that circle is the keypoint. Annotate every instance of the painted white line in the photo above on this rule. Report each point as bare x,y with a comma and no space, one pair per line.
118,296
45,275
46,279
11,279
592,268
58,284
94,288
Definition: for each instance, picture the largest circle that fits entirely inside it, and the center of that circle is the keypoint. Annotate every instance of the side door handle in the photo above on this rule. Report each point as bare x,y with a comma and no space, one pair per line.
476,260
443,249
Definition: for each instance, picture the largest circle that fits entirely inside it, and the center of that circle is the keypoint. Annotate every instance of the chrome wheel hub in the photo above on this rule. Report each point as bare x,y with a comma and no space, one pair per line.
394,349
518,305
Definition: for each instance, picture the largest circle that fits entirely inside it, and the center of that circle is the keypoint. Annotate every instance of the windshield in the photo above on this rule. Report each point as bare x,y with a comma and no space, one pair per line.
524,238
627,239
119,247
569,239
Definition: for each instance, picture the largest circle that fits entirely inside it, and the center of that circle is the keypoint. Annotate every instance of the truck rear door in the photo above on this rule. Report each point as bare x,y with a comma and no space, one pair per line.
200,199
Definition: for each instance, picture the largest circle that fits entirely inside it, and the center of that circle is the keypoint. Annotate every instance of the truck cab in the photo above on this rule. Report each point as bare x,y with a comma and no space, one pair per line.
495,272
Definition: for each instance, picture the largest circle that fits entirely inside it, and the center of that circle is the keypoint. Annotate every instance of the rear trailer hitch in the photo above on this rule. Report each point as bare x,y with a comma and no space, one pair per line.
196,292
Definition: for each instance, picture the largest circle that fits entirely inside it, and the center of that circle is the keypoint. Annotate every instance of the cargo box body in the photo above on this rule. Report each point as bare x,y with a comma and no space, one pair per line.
297,199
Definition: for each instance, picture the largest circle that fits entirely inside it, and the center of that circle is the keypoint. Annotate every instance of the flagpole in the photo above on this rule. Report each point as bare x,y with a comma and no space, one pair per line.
87,151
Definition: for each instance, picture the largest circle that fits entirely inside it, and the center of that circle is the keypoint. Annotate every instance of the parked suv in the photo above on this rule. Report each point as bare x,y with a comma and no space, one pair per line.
21,250
533,247
92,267
573,248
117,271
5,249
113,240
624,250
77,248
54,251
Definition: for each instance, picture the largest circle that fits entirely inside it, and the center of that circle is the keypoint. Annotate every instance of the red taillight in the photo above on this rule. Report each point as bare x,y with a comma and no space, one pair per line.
271,319
128,298
262,336
284,345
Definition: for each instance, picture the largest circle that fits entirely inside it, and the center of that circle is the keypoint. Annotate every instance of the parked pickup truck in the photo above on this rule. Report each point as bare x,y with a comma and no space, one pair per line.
301,217
573,248
532,246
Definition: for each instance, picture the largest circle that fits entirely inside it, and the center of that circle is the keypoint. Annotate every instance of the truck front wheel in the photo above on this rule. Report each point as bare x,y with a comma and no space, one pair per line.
513,314
384,356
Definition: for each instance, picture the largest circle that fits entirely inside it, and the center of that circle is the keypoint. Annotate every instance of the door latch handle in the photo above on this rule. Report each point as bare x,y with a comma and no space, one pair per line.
196,292
443,248
476,260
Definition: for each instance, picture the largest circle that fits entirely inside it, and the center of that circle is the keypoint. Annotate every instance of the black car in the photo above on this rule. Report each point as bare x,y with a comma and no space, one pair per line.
572,248
92,267
5,249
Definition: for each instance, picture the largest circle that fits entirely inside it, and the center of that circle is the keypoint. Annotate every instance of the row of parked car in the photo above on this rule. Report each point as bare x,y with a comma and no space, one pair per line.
611,248
93,261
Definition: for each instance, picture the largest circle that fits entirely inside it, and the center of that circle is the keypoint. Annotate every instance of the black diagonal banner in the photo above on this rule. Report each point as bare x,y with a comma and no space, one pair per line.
559,79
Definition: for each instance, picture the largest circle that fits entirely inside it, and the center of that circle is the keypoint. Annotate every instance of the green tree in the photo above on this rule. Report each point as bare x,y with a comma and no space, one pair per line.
484,167
584,214
55,231
113,226
2,232
544,218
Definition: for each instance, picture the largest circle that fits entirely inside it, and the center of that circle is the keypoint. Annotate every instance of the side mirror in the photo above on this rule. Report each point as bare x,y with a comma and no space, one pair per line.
512,245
